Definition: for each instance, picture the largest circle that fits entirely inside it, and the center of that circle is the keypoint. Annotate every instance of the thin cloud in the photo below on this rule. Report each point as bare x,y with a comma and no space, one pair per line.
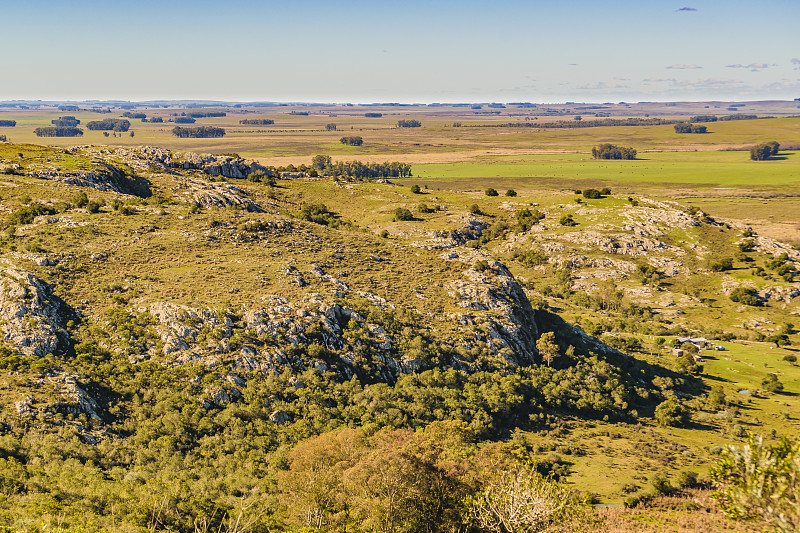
709,83
796,62
752,66
687,9
602,85
680,66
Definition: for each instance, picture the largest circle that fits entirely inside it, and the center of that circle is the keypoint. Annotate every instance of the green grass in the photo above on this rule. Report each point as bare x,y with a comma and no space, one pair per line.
697,170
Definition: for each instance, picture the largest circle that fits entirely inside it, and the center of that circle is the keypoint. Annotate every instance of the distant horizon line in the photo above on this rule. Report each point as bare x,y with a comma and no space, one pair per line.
281,103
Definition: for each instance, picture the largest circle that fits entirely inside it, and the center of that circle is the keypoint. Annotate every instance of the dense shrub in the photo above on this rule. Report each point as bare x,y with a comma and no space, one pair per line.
511,193
527,218
671,412
771,383
401,213
567,220
591,194
25,215
721,265
746,296
415,189
491,192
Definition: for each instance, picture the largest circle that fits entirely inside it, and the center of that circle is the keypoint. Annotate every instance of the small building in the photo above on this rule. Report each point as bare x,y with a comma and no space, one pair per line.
677,352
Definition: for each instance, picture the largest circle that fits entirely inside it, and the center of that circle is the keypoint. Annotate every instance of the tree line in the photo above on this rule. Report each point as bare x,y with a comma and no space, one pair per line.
107,124
206,114
58,131
8,123
257,121
356,169
198,132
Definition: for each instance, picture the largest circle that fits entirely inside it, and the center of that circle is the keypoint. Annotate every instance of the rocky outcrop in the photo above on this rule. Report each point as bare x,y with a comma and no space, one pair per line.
34,319
77,396
510,320
225,166
206,194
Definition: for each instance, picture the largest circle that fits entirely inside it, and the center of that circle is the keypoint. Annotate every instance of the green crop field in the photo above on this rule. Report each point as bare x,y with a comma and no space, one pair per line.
696,170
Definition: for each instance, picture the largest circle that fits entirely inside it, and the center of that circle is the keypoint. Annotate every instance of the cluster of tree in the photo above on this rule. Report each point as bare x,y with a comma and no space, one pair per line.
58,131
409,123
109,124
131,114
3,138
198,132
610,151
8,123
206,114
738,116
153,119
593,194
257,121
319,213
352,140
68,121
764,151
688,127
26,214
68,108
746,296
703,118
432,480
527,218
183,120
373,115
356,169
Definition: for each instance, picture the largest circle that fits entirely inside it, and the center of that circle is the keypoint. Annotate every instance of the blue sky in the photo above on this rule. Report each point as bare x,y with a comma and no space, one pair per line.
400,51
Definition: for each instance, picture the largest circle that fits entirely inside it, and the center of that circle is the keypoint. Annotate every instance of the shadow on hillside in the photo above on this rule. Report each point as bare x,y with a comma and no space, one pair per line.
636,369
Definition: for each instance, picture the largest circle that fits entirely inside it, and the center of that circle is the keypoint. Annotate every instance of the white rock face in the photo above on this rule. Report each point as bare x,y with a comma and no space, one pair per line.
33,319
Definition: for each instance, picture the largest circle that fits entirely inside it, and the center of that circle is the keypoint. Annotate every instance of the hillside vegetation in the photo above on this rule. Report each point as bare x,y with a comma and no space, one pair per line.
198,342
